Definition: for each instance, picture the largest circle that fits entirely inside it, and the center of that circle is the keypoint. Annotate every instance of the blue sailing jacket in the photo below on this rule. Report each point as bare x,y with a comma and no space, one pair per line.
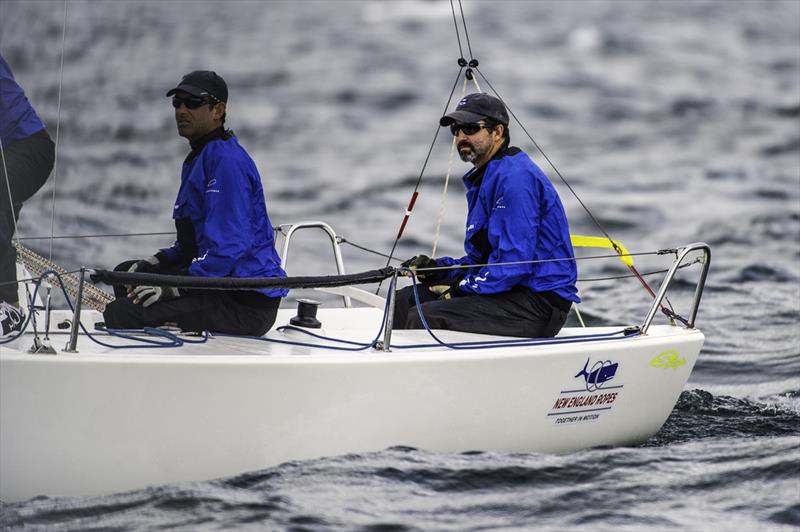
221,195
18,120
514,214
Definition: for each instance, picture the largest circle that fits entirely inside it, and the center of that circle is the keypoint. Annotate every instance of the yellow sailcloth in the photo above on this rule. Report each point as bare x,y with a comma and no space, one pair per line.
580,241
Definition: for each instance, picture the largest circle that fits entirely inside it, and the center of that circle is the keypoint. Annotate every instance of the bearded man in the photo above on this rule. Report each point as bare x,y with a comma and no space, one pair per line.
509,283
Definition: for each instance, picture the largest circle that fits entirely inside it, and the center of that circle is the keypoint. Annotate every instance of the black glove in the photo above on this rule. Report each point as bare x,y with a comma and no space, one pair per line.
420,261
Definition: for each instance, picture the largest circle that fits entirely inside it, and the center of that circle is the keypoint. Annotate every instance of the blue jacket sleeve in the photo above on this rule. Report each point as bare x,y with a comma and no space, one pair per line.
455,273
226,224
171,253
512,229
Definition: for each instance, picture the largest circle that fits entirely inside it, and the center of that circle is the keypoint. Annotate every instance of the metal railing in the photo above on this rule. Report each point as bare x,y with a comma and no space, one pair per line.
689,248
288,230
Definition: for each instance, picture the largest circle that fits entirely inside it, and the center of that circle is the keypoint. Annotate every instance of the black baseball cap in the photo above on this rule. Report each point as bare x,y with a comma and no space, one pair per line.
474,107
203,83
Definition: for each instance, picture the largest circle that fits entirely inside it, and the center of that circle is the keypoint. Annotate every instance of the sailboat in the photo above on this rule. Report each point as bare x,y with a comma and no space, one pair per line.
113,411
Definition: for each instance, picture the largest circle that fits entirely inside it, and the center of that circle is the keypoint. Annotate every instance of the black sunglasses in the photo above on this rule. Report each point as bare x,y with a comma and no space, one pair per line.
468,129
191,102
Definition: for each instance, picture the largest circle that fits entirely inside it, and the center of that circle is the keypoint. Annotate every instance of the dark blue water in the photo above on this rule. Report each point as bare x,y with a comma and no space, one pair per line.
674,121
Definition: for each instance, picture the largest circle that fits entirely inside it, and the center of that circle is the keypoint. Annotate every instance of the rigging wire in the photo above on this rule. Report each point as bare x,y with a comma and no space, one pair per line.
473,64
421,173
58,129
109,235
455,23
466,34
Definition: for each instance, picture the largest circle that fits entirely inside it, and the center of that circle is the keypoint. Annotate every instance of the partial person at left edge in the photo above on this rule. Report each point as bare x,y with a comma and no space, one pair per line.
223,229
27,156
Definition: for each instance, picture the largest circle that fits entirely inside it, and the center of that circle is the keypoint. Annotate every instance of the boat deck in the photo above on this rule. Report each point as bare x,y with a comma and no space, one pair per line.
354,324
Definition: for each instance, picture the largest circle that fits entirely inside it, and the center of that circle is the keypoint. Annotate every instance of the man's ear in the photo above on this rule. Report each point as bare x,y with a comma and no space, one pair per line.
219,110
502,130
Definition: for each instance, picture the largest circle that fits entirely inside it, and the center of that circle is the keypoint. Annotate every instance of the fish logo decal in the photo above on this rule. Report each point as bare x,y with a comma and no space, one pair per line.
668,359
601,372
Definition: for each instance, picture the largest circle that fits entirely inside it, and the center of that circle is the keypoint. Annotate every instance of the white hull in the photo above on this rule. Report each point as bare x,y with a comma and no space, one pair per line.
102,421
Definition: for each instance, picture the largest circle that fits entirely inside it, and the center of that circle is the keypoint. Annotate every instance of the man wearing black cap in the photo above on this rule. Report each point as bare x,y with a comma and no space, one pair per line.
222,224
516,233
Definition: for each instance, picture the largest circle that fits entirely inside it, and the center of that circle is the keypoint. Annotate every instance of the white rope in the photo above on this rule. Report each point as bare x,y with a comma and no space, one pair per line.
475,81
446,181
58,127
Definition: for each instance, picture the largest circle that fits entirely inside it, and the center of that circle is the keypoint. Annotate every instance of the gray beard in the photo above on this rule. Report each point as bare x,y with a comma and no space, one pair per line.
468,156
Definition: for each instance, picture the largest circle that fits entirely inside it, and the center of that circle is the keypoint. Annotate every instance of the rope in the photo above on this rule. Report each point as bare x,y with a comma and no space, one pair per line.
58,130
172,339
585,207
466,33
92,296
446,181
620,335
117,235
419,179
455,23
343,240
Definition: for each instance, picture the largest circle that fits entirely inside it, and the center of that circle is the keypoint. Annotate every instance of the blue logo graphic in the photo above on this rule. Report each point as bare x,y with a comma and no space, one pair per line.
602,371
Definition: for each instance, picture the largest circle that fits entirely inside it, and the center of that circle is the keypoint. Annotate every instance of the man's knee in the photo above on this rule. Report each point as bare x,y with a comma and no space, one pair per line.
123,314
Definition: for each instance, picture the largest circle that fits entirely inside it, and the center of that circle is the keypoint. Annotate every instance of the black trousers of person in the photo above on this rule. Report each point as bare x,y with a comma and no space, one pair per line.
223,311
519,312
28,162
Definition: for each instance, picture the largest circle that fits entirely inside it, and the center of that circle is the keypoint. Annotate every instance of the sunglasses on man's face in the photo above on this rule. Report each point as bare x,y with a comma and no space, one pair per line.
191,102
468,129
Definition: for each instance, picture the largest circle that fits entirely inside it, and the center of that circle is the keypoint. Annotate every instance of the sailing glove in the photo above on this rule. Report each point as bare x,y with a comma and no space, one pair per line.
149,265
147,295
445,291
420,261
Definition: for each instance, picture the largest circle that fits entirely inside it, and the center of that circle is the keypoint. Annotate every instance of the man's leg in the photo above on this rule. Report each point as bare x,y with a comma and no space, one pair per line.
200,310
28,162
405,303
518,313
8,256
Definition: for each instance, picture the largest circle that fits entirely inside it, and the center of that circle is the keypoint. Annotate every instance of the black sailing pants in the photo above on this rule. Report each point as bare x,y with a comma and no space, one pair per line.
519,312
224,311
28,162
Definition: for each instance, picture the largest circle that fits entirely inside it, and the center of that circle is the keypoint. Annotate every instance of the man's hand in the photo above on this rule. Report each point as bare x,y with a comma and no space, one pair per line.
149,265
147,295
418,261
444,291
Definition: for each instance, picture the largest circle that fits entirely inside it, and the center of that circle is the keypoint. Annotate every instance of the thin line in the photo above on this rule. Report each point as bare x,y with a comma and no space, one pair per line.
466,34
427,158
595,220
579,411
458,37
587,391
95,236
58,130
541,261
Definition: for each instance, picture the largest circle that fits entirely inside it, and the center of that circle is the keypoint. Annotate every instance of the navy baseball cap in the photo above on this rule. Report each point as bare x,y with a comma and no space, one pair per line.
474,107
203,83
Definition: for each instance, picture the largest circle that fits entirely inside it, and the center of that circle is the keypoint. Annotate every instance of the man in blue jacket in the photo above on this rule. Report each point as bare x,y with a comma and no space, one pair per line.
27,155
515,218
222,229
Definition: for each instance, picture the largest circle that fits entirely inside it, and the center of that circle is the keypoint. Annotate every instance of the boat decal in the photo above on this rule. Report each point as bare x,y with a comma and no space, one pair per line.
668,359
598,394
601,372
